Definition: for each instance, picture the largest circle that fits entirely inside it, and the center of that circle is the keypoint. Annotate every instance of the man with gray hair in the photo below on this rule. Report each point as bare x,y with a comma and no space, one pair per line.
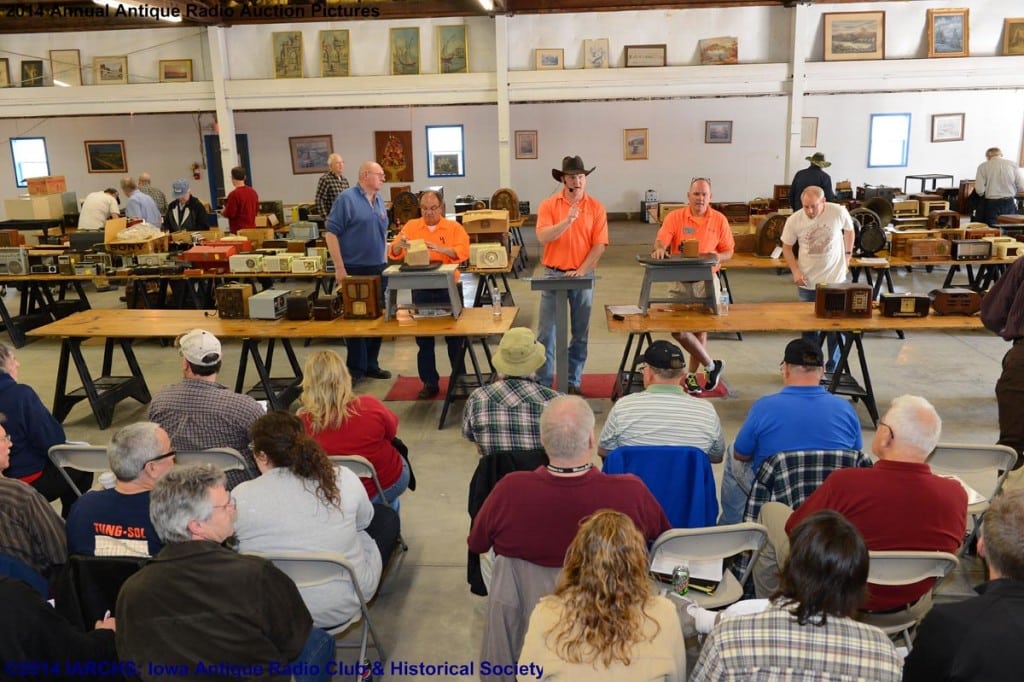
139,204
898,504
330,185
205,609
997,181
115,522
157,195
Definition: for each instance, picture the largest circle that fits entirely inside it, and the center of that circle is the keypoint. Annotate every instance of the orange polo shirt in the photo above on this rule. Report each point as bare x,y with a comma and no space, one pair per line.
711,231
590,228
446,233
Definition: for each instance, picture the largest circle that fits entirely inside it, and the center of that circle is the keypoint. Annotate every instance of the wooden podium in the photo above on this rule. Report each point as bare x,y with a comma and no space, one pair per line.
561,287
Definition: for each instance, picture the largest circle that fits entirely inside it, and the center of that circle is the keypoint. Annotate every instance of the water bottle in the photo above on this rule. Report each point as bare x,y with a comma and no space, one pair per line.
495,302
723,303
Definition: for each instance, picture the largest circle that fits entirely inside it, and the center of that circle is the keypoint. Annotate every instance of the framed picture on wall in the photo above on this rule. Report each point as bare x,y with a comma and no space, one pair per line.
105,156
334,51
405,51
526,144
717,132
634,144
66,67
110,70
309,154
452,49
287,47
809,131
5,73
949,32
723,50
645,55
394,154
595,53
32,73
549,58
852,36
947,127
1013,36
175,70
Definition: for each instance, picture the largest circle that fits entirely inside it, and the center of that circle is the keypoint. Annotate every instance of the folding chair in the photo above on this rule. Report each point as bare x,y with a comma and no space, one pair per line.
87,586
363,468
906,568
225,459
90,458
715,543
317,568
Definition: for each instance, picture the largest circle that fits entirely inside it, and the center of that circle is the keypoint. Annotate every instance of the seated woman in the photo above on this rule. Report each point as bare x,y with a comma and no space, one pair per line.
344,423
301,503
33,431
808,631
603,622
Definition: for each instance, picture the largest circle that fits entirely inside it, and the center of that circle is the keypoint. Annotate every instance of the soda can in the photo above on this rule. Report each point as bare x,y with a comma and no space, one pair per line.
681,580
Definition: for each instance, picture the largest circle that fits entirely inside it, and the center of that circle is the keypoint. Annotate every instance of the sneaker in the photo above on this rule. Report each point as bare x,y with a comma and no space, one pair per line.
691,384
712,377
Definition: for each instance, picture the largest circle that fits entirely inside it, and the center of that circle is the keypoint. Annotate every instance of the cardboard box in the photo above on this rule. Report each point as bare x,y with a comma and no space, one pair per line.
47,184
257,235
267,220
160,244
185,237
40,207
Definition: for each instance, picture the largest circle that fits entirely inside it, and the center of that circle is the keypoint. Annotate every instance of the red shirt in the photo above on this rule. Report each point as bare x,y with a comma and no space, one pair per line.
241,208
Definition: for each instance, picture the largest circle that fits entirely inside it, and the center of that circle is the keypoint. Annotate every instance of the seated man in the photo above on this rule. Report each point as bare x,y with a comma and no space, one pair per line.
896,504
505,415
115,522
979,638
200,605
664,414
199,413
802,416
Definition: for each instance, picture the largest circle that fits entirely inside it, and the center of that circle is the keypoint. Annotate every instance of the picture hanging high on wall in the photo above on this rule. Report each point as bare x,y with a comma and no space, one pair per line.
66,67
949,32
309,154
5,73
287,46
405,51
634,144
723,50
549,58
717,132
334,52
947,127
110,70
595,53
1013,36
175,70
31,73
452,49
852,36
809,131
106,156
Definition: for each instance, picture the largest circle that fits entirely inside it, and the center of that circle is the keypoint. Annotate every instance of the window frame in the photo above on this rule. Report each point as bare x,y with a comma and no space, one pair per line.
461,152
23,182
905,150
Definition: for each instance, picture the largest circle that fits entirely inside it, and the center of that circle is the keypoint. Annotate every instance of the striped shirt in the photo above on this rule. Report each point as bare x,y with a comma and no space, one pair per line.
664,415
327,190
30,530
505,415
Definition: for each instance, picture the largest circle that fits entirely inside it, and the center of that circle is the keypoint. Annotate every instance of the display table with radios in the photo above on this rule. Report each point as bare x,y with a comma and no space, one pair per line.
43,300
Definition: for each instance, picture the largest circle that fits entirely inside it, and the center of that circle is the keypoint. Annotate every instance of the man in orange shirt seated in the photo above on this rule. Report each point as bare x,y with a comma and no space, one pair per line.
711,230
447,242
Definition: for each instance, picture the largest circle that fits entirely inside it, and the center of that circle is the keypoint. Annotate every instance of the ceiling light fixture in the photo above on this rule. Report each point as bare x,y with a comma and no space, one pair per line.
488,5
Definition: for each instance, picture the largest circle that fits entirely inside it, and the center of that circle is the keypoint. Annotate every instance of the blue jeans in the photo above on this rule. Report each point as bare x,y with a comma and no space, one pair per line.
317,653
395,490
737,480
834,339
362,353
991,209
580,303
426,365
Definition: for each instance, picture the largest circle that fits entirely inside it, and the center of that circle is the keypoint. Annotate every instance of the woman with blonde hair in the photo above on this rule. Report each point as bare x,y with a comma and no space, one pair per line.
344,423
604,621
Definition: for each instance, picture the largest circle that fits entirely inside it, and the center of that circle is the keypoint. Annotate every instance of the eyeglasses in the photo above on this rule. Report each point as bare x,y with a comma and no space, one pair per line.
430,208
6,439
379,175
166,455
891,432
230,503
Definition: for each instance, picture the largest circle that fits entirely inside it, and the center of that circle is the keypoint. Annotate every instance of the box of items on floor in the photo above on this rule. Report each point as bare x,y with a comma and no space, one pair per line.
121,240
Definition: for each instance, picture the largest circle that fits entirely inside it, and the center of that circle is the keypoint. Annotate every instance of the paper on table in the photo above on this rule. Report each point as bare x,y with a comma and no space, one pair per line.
872,261
626,310
703,570
973,496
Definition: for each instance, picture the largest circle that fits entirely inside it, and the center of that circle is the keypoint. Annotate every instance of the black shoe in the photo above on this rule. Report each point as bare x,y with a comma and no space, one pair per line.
574,390
427,392
378,373
712,377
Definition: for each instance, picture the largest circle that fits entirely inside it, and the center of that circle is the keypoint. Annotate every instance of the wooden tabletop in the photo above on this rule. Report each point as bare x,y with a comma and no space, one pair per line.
748,261
142,324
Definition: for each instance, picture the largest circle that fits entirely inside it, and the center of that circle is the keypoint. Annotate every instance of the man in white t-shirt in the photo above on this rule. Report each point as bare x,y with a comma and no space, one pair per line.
825,234
97,209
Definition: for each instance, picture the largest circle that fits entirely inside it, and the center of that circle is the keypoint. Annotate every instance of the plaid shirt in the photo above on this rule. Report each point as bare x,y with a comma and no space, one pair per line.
791,477
505,415
30,530
771,646
157,196
327,190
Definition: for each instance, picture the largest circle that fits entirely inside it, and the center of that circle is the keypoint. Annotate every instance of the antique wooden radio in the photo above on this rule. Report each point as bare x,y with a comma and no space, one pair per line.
955,301
943,219
929,249
299,304
269,304
10,238
903,305
970,249
328,308
689,248
842,300
241,245
906,209
246,262
210,257
982,232
233,301
362,297
929,206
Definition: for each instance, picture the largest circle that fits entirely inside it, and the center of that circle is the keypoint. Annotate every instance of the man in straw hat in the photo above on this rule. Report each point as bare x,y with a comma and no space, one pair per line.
573,227
812,176
505,415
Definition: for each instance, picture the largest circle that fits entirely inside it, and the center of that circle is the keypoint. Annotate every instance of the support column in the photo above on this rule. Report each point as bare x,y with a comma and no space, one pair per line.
803,32
217,40
504,110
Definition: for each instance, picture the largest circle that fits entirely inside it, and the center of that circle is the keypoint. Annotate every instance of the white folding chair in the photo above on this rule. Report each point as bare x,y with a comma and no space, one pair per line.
90,458
680,545
363,468
317,568
225,459
982,467
894,568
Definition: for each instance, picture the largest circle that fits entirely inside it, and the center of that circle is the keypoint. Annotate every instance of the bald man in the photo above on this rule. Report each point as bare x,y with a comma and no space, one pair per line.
157,195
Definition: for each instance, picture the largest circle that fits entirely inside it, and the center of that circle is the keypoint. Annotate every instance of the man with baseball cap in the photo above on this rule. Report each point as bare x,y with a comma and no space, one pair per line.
199,413
664,413
802,416
185,212
505,415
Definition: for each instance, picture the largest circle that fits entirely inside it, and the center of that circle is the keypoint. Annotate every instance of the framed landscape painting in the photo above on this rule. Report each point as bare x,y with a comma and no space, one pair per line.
452,49
717,132
309,154
175,70
526,144
854,36
949,32
105,156
110,70
549,58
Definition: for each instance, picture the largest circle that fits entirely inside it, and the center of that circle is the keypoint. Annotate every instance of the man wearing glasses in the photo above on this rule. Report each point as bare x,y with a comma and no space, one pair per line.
447,243
116,522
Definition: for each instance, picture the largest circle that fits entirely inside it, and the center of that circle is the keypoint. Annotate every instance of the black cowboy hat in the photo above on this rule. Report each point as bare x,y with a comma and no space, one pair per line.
571,165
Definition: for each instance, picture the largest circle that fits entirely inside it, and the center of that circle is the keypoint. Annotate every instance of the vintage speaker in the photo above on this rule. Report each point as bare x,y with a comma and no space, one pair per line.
903,305
362,297
299,304
842,300
233,301
328,308
970,249
955,301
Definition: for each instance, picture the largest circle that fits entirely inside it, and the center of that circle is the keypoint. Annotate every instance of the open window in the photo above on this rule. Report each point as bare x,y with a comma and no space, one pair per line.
445,154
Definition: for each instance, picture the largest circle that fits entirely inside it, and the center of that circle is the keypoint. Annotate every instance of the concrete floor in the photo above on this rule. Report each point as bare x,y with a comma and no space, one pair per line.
425,611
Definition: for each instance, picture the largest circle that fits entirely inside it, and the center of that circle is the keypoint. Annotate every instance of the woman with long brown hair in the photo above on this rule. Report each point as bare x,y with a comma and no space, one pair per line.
301,503
604,621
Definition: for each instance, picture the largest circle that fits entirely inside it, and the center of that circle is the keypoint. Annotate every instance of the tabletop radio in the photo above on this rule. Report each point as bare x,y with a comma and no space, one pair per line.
488,255
246,262
903,305
971,249
955,301
842,300
362,297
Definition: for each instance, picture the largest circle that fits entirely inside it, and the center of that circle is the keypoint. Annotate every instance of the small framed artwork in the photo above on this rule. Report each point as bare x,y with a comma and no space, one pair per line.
287,46
851,36
809,131
175,70
309,153
445,164
106,156
549,58
724,50
634,144
405,51
717,132
645,55
452,50
32,73
526,144
5,73
334,51
110,70
66,67
393,151
949,32
947,127
595,53
1013,36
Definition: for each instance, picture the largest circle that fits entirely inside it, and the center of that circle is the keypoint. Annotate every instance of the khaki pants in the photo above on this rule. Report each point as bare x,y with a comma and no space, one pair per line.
773,516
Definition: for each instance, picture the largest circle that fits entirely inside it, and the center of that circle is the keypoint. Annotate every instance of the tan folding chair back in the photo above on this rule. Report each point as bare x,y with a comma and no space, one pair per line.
91,458
362,468
225,459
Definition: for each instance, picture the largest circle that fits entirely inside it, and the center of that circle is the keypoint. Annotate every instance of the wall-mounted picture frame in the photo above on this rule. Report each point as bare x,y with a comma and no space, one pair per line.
452,49
105,156
1013,36
721,50
596,54
548,58
526,144
309,153
334,53
110,70
809,131
851,36
32,73
949,32
645,55
947,127
5,73
287,52
404,47
66,67
393,150
175,70
444,164
717,132
634,144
